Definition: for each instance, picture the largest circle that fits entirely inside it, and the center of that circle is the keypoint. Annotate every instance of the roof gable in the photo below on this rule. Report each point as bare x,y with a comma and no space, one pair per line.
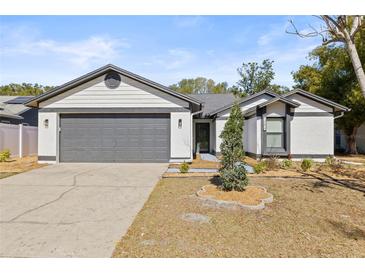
316,98
247,99
96,94
34,102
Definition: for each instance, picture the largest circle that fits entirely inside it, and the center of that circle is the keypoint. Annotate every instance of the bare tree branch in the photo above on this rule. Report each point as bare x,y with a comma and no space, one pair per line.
337,29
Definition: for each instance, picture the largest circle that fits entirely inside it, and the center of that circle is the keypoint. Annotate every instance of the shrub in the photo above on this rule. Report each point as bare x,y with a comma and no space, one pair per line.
260,167
272,163
286,163
232,145
184,167
333,163
234,178
4,155
329,160
232,171
306,164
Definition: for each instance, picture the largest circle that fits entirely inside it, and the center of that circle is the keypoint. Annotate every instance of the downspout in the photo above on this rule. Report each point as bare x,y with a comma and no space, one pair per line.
191,132
339,116
335,117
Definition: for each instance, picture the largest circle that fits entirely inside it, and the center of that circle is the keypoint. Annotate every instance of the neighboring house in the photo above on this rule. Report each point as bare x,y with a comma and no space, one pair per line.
341,140
13,111
112,115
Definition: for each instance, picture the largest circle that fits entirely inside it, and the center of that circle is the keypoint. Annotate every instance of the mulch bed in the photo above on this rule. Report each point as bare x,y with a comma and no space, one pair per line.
252,195
189,174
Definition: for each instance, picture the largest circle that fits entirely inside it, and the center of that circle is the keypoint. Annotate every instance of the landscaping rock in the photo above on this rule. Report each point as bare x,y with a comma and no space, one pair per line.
236,199
194,217
148,242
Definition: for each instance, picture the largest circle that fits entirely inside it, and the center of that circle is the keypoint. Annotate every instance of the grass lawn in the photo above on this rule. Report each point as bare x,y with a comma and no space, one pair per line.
308,218
18,165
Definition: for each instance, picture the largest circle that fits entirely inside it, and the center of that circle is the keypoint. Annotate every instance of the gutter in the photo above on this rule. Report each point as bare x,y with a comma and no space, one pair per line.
339,116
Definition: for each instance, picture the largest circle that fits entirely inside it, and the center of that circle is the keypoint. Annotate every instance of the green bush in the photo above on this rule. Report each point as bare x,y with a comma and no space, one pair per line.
232,171
286,163
184,167
4,155
234,178
260,167
306,164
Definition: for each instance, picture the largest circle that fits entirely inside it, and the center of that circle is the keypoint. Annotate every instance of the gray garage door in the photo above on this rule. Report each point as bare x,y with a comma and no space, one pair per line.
114,138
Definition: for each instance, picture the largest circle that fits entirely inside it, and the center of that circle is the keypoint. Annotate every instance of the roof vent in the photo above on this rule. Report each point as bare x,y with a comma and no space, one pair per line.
112,80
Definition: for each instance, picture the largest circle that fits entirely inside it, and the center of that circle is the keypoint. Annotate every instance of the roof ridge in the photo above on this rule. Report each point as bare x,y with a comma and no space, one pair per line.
97,72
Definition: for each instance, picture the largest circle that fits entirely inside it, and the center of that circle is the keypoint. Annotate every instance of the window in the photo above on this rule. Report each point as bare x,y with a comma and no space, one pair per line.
275,132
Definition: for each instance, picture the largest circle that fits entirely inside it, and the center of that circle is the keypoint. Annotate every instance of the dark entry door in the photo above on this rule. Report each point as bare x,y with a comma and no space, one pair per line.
202,137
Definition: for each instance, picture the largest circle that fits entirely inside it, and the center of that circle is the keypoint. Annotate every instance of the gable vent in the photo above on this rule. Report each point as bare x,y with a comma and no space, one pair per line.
112,80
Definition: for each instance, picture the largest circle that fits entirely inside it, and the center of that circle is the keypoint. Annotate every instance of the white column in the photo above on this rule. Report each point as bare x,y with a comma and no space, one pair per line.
20,140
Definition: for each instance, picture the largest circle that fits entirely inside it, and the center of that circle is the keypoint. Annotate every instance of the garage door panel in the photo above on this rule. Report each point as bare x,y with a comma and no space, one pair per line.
115,138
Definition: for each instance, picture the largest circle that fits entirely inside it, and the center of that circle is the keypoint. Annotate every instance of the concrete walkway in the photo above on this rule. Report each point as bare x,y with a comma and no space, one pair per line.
72,210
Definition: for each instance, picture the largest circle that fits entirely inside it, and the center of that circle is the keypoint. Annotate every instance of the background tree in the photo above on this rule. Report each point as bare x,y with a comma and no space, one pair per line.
24,89
200,85
332,76
343,29
257,77
232,172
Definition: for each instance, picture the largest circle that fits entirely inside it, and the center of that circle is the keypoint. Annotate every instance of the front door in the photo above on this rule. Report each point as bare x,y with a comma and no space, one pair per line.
202,137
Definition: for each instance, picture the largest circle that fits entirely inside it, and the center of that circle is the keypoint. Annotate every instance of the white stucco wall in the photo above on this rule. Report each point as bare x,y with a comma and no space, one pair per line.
258,135
312,135
181,138
250,135
244,106
219,126
47,137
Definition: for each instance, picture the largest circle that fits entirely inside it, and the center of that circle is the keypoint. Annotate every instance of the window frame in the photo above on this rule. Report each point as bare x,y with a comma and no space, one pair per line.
276,150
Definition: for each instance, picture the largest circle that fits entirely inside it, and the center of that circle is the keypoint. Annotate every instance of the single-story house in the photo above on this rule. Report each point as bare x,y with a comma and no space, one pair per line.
112,115
13,111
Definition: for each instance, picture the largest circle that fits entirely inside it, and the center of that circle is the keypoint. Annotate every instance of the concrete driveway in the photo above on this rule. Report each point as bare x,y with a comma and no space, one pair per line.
72,210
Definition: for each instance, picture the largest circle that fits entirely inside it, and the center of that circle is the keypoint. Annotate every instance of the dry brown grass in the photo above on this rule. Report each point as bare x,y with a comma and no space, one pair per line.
250,161
18,165
198,163
360,158
308,218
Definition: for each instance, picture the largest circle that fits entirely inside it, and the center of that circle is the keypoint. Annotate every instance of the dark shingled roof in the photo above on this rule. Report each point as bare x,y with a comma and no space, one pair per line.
213,101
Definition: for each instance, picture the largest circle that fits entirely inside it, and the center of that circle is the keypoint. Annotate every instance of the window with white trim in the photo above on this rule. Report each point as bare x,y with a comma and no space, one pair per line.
275,132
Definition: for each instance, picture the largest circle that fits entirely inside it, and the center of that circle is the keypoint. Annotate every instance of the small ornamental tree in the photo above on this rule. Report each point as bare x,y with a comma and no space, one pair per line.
232,171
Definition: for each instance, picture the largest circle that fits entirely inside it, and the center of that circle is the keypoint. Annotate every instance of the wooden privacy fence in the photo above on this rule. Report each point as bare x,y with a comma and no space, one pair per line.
19,139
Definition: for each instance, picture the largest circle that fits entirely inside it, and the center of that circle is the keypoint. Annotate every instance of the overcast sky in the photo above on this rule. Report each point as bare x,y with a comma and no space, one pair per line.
51,50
